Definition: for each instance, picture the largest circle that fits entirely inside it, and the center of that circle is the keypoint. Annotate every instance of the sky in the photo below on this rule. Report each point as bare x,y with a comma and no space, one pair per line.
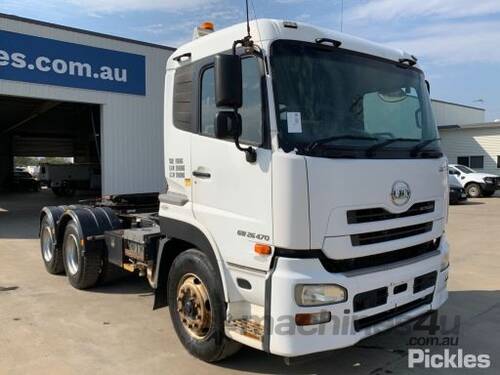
457,42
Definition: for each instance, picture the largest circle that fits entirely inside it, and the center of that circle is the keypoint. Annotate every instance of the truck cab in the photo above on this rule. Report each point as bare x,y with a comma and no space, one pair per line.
347,191
307,196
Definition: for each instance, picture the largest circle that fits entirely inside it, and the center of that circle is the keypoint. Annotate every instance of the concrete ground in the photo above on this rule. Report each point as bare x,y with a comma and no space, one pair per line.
47,327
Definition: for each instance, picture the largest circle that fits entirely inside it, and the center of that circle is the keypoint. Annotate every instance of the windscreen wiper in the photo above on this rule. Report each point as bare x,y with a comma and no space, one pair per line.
387,142
311,146
421,145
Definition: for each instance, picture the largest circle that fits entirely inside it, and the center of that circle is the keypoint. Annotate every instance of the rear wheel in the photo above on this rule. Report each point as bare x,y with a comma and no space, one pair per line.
473,190
197,307
51,254
83,266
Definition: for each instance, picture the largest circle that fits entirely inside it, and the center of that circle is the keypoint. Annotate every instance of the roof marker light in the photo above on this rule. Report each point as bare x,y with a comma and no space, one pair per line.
207,26
204,29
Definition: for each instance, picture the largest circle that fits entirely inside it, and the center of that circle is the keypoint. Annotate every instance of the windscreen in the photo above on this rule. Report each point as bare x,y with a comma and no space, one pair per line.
341,103
464,169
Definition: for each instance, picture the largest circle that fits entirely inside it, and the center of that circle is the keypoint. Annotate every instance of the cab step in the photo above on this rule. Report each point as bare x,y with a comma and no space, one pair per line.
246,331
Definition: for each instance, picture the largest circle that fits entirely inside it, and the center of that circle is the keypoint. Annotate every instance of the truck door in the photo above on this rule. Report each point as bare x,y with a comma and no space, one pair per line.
231,197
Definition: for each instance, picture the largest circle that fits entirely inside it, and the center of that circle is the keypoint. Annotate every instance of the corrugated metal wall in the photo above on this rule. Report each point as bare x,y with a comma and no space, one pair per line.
132,126
473,142
455,114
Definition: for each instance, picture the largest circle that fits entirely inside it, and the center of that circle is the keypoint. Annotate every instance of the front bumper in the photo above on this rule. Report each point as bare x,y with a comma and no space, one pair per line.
344,330
489,188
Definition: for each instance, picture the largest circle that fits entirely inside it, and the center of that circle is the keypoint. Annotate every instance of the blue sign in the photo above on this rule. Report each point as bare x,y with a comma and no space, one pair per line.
47,61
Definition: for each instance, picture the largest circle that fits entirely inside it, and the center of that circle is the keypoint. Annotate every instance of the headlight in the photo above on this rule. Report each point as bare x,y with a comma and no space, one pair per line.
445,263
319,294
489,180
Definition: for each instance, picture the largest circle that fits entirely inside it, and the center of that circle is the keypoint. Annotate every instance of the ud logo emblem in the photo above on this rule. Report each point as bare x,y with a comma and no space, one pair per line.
400,193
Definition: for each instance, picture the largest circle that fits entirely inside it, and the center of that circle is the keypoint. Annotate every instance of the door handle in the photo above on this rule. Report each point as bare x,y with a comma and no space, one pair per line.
201,174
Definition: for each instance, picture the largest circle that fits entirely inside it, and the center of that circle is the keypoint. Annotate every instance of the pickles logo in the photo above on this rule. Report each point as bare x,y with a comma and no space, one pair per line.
449,359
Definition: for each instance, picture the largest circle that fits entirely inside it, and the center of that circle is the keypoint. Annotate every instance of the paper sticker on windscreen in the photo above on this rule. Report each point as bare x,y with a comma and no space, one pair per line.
294,122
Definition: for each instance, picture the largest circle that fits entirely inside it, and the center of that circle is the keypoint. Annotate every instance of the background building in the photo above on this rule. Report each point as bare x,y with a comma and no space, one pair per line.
96,98
467,138
474,145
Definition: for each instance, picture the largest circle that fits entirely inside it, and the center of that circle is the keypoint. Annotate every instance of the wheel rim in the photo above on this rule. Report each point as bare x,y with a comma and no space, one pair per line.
47,244
473,191
193,306
71,254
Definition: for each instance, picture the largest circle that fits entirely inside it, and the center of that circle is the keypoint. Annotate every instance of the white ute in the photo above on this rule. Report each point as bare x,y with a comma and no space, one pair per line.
476,184
307,196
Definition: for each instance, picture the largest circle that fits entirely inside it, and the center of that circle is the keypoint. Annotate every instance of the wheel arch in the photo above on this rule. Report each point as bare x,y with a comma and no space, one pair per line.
53,213
180,236
91,222
471,182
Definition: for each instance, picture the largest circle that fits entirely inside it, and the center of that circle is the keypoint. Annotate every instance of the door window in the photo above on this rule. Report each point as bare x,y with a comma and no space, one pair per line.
251,111
208,109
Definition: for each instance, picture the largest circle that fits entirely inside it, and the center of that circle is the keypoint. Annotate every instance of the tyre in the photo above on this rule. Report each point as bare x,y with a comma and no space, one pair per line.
82,266
197,307
51,254
473,190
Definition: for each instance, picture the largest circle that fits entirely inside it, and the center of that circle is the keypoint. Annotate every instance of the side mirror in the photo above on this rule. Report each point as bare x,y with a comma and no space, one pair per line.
227,125
228,81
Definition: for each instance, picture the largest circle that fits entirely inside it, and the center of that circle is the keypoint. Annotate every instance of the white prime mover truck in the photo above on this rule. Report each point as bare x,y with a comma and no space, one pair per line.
307,190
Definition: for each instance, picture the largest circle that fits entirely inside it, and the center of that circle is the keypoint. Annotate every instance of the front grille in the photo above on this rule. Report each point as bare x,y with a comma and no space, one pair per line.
368,215
390,234
425,281
370,299
353,264
386,315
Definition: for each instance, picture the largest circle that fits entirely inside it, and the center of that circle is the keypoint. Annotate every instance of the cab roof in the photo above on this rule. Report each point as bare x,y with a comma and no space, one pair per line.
268,30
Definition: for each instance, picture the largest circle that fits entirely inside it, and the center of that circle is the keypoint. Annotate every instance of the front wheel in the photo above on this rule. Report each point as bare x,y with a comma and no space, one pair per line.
473,190
197,307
